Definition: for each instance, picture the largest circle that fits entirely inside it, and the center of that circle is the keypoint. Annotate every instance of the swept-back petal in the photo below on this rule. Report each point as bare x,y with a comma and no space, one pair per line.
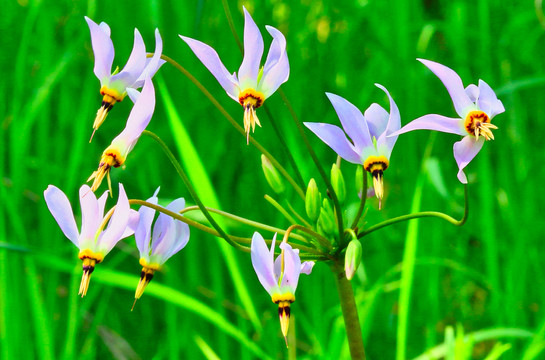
335,138
292,267
139,118
454,85
90,214
60,208
306,267
210,59
386,143
277,68
142,235
472,92
352,121
464,151
168,237
103,48
434,122
488,101
153,64
377,119
253,51
263,263
117,225
135,65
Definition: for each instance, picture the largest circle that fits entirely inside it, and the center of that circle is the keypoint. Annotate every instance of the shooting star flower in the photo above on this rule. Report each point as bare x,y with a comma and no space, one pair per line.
93,241
116,154
476,106
279,277
169,236
253,84
370,146
114,86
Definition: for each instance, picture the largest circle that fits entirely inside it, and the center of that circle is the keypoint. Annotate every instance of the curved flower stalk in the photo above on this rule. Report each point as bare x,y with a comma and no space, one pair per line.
370,145
93,242
476,106
279,277
114,87
116,154
169,236
253,84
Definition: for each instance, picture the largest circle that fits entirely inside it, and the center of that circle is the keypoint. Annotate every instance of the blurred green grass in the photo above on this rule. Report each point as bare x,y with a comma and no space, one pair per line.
487,274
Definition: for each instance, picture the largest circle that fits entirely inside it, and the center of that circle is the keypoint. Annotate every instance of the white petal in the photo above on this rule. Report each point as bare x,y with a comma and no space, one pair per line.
253,51
60,208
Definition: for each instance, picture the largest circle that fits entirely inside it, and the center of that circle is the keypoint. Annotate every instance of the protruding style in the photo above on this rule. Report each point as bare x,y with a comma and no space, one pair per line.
370,144
279,277
476,106
93,241
253,84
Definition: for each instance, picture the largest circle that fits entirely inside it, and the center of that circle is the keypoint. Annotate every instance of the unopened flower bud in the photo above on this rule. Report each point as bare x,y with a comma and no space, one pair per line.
327,218
352,258
273,177
359,180
313,201
337,181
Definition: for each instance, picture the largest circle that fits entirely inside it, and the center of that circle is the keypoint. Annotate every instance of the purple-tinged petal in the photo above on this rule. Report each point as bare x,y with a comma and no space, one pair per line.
277,68
153,64
181,239
472,92
117,225
386,143
292,267
135,65
306,267
210,59
164,239
139,119
488,101
263,261
102,202
91,217
253,51
377,119
103,48
454,85
352,121
142,235
60,208
133,94
132,225
464,151
434,122
335,138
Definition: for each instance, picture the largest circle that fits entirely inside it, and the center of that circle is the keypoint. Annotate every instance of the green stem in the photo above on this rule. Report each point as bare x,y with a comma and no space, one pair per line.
245,221
363,200
350,312
231,24
192,191
280,209
297,215
239,128
338,210
422,214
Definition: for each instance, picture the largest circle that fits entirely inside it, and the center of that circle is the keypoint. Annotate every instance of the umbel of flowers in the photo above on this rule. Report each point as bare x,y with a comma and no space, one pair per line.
322,233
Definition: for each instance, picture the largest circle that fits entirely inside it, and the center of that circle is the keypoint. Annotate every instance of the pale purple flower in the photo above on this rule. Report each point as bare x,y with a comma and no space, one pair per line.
369,143
476,106
169,236
139,118
114,86
281,285
252,85
93,242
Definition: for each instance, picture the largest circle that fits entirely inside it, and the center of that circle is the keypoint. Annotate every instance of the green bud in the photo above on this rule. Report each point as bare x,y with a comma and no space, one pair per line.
337,181
327,218
352,258
273,177
359,179
313,201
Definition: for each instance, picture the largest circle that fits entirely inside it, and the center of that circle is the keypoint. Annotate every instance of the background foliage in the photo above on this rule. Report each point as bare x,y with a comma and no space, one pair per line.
486,275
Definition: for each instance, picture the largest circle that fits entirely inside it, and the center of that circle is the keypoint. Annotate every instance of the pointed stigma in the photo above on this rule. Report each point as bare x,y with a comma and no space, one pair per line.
250,100
477,123
90,259
111,157
376,165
